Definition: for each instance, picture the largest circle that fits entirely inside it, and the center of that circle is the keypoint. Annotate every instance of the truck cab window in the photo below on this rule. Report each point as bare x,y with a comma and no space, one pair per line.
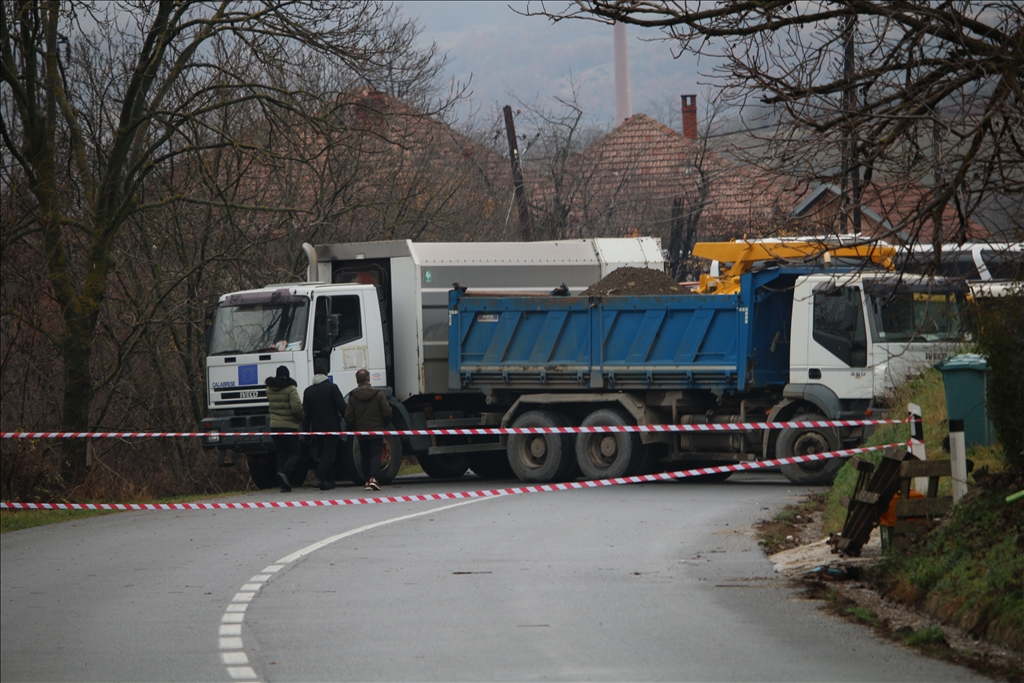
259,322
345,310
839,324
337,321
905,316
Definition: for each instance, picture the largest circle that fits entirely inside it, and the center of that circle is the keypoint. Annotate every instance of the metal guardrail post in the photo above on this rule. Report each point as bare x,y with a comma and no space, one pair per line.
958,459
917,443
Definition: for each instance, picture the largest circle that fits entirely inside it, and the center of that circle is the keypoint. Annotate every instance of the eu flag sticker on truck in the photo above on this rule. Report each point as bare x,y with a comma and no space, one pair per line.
248,375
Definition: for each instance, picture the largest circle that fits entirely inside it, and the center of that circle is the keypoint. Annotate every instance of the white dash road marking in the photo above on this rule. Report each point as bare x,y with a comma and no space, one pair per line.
230,630
241,673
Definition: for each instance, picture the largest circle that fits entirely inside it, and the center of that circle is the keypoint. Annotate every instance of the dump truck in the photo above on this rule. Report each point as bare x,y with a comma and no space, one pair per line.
382,306
510,346
757,344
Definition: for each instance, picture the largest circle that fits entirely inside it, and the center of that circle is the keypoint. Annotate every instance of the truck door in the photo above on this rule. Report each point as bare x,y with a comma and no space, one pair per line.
339,335
837,350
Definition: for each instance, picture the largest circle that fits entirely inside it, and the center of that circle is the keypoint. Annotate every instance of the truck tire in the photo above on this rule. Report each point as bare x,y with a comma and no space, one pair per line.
805,441
263,472
390,461
491,465
444,466
606,455
540,457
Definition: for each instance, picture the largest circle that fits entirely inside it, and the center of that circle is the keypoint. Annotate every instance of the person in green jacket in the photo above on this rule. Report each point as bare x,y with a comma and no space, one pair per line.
286,415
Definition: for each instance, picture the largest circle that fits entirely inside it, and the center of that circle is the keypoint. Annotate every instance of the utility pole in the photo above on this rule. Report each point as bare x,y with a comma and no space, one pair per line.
525,226
851,200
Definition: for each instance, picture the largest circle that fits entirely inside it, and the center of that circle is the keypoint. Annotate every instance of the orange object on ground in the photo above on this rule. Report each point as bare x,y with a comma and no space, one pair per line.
889,518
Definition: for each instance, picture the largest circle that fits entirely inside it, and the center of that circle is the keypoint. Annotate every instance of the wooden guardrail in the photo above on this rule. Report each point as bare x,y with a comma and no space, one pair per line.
917,515
874,490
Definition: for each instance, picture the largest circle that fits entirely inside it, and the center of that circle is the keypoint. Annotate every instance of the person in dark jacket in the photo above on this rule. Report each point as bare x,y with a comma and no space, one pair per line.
285,416
368,411
324,405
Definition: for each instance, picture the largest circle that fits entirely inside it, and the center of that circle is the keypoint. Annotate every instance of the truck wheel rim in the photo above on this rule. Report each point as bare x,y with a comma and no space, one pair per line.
809,443
533,452
603,450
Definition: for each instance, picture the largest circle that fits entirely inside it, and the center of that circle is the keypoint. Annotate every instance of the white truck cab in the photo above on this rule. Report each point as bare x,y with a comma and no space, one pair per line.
294,325
863,333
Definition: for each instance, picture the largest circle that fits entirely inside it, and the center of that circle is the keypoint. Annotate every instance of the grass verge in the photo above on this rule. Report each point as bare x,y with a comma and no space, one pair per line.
970,570
15,520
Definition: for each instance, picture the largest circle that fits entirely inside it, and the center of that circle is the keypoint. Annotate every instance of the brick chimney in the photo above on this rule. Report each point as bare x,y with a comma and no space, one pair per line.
690,116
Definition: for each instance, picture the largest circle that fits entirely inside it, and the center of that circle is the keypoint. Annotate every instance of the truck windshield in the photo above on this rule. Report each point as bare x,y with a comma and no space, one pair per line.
250,324
904,315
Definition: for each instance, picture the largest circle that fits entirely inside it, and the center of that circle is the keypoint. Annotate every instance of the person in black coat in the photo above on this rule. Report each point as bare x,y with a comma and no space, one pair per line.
324,405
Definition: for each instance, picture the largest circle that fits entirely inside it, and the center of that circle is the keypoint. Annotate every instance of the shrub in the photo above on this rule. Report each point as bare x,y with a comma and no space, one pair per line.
1000,325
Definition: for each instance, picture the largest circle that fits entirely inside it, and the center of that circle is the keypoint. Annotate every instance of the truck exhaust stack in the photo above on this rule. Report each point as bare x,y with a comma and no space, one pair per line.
312,271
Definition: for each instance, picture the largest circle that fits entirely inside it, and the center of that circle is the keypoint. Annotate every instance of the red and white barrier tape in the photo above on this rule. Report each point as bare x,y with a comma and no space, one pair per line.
476,431
456,495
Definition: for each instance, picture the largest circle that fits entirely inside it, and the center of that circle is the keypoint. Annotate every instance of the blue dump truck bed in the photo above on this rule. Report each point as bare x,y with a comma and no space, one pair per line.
732,342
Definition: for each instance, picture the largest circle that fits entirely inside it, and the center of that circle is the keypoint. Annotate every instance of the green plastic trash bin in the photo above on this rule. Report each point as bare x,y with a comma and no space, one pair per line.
965,379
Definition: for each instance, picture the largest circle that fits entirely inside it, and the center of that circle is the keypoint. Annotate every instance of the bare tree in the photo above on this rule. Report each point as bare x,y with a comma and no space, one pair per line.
108,111
552,137
876,96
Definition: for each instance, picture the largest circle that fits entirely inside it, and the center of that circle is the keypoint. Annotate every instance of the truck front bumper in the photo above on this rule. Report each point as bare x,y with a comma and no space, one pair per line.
226,435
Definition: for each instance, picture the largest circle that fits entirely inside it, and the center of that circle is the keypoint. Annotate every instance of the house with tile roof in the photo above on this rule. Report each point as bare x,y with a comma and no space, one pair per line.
644,178
887,212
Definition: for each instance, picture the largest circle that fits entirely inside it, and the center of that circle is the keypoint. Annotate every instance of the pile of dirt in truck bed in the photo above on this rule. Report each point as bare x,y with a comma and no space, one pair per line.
628,281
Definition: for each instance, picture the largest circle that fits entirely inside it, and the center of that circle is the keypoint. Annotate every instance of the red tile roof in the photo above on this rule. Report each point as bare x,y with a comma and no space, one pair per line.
892,211
626,181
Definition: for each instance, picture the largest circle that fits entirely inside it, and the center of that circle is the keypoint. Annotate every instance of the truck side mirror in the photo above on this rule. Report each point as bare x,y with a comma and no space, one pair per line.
210,315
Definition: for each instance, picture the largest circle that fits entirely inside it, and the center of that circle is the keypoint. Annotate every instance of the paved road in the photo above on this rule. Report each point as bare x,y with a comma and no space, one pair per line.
643,582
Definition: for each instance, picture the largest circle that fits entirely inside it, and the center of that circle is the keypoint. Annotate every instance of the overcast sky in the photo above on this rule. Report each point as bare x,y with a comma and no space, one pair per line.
534,59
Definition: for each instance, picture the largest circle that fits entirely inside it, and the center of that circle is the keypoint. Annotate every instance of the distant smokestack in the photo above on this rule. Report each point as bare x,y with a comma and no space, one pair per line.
623,99
690,116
